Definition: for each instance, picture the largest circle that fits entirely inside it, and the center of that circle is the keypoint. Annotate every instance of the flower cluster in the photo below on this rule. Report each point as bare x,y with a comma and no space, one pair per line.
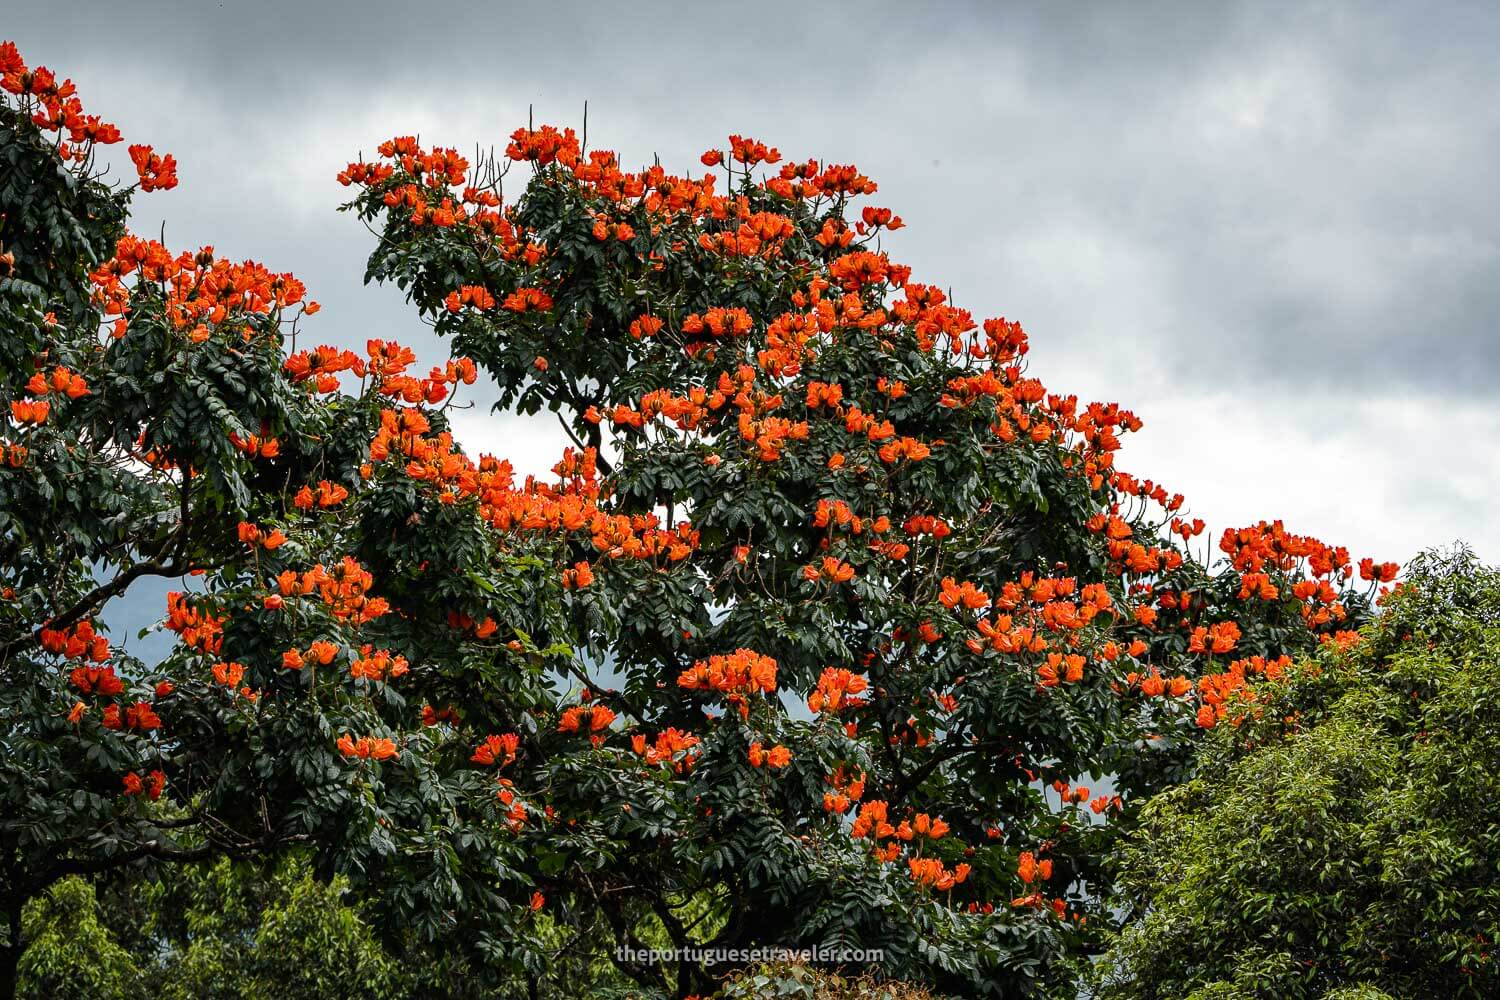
736,675
53,106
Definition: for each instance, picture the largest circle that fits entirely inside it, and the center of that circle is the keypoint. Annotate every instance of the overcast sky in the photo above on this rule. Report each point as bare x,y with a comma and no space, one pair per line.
1271,231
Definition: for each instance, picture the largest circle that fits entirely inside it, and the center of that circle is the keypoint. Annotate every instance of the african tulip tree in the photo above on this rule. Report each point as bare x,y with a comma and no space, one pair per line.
164,421
876,599
881,512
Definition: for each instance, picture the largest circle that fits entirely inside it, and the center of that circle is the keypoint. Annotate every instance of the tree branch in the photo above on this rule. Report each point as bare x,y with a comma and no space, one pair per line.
93,599
900,788
160,851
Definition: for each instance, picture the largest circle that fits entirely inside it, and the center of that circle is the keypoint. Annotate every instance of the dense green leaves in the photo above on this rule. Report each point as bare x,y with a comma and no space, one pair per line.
850,450
811,640
1348,835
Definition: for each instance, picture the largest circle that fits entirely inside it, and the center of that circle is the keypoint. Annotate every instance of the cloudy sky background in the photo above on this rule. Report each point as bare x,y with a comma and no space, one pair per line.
1271,231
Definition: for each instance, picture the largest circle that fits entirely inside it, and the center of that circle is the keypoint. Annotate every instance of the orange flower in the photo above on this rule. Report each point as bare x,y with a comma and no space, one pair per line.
580,576
954,594
668,745
1030,869
876,218
473,295
1219,638
824,394
836,690
1382,572
645,326
377,665
925,826
28,411
871,821
750,152
527,300
330,494
831,569
322,652
142,716
930,872
594,719
367,747
97,680
255,446
229,674
432,716
544,145
62,380
775,758
344,590
156,172
501,749
741,673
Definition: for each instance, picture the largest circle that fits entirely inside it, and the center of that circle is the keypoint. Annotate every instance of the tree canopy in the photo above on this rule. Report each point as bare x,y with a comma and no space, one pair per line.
812,639
1347,835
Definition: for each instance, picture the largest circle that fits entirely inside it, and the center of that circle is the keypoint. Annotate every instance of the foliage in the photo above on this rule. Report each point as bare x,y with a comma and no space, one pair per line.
889,517
165,432
533,722
71,952
793,981
1345,835
286,935
220,932
261,930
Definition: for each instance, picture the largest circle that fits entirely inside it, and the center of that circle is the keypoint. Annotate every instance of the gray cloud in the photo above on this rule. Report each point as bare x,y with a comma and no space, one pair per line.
1283,205
1303,186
